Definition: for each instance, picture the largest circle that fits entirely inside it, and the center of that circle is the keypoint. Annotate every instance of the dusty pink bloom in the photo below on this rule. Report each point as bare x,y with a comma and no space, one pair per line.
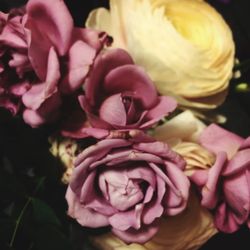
120,95
225,187
60,54
127,185
43,59
15,68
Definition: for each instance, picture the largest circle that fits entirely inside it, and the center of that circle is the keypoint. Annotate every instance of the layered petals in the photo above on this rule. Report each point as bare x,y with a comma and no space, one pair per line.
130,183
120,95
185,46
225,187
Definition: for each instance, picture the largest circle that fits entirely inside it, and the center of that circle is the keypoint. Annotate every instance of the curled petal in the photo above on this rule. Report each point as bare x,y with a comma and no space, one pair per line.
81,57
103,64
137,236
217,139
84,216
165,106
39,93
209,191
134,79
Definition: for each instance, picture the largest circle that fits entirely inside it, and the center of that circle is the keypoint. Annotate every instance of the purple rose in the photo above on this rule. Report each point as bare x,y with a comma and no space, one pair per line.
61,58
127,185
225,187
120,95
15,68
43,59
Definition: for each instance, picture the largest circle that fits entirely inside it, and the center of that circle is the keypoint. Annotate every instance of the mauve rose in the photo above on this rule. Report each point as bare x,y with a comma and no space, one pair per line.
127,185
15,69
225,187
120,95
61,57
43,59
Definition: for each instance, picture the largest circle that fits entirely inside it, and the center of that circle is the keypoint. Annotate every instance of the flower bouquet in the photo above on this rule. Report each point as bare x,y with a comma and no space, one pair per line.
127,151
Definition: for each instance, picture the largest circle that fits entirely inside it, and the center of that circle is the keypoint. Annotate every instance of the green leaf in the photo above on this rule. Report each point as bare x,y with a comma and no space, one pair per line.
43,213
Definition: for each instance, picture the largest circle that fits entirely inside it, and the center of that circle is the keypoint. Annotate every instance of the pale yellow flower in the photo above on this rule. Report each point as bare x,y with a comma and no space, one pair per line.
182,134
185,45
187,231
183,127
65,150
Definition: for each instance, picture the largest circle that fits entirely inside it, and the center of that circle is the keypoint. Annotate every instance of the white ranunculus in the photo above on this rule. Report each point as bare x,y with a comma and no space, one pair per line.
185,45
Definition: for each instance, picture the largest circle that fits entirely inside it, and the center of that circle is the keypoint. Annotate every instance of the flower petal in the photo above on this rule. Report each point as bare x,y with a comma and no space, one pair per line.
140,236
217,139
165,106
84,216
113,111
134,79
103,64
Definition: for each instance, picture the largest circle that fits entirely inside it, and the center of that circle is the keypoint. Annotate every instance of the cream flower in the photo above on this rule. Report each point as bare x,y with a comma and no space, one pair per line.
187,231
185,45
182,134
65,150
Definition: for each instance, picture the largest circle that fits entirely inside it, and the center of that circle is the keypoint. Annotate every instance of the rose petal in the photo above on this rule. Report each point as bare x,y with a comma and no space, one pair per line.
225,219
140,236
81,57
124,220
134,79
42,15
217,139
84,216
165,106
209,191
238,163
103,64
161,149
34,98
176,204
113,111
236,191
155,209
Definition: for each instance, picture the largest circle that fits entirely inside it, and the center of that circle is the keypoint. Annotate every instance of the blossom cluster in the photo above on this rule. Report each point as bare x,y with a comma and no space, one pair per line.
144,172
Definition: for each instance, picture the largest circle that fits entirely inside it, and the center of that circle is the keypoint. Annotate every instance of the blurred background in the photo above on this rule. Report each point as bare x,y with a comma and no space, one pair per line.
31,180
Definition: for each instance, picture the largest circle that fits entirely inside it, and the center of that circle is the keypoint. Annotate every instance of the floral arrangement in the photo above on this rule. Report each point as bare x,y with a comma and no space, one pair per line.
126,104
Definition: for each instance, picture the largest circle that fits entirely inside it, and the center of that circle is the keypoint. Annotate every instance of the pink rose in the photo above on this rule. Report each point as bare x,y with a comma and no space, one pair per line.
61,56
43,59
120,95
127,185
15,68
225,187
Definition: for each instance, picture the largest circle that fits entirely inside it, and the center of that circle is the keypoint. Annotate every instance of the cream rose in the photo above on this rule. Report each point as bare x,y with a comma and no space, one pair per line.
185,45
187,231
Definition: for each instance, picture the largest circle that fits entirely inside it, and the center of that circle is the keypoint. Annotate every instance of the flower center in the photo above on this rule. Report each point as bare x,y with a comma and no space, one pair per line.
119,190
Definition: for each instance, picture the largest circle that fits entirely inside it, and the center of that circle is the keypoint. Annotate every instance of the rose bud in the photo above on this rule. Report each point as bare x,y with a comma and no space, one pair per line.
128,186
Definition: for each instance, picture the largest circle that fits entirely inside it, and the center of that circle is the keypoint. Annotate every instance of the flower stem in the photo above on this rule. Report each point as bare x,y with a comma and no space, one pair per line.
19,219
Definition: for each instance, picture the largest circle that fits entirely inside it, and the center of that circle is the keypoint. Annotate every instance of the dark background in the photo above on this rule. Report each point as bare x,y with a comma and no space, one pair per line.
23,143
